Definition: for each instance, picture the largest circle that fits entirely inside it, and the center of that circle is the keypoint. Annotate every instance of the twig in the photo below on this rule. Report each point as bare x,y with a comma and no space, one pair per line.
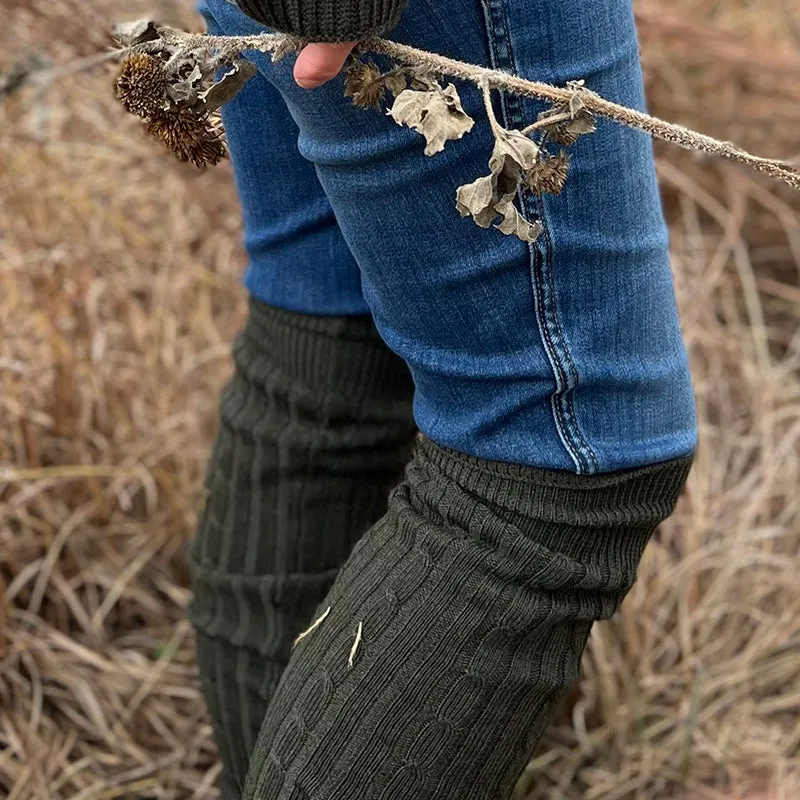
555,119
655,127
34,71
487,101
311,628
78,65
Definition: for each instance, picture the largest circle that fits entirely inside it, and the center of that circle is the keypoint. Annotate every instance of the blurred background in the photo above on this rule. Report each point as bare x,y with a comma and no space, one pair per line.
119,296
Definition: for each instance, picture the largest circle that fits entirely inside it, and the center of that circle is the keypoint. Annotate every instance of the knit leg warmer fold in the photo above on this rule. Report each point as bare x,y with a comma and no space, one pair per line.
316,427
433,664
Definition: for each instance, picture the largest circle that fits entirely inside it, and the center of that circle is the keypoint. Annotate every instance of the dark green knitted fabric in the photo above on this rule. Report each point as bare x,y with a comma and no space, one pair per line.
326,20
455,625
316,427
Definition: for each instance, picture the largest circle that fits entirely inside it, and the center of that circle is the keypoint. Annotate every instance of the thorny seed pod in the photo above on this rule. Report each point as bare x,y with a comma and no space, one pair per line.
191,136
141,85
548,176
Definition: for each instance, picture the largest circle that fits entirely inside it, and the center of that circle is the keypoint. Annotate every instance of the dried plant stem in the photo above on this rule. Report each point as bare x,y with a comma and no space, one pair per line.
655,127
486,89
544,123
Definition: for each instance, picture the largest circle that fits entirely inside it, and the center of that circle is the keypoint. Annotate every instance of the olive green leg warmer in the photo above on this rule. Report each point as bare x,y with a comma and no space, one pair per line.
434,662
316,427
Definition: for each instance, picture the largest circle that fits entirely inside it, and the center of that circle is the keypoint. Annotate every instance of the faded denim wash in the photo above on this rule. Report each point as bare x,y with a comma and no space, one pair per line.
565,354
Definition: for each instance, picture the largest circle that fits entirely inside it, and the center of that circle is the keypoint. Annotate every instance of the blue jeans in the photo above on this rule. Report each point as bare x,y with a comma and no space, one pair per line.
564,354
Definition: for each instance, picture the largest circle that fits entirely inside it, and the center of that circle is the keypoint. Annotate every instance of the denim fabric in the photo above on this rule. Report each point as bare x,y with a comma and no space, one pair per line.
565,354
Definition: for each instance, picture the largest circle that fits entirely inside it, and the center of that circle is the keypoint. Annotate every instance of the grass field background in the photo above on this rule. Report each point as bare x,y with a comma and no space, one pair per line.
119,295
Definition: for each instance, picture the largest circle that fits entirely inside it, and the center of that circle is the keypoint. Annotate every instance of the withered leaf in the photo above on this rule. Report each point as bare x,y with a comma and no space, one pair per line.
423,80
186,86
516,147
364,84
436,114
492,196
228,86
395,82
129,34
478,200
514,224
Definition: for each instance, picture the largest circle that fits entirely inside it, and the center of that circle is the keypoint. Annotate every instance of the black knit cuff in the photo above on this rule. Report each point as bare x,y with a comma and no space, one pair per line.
326,20
605,520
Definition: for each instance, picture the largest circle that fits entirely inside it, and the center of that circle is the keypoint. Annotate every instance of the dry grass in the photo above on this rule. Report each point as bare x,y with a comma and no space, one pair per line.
118,297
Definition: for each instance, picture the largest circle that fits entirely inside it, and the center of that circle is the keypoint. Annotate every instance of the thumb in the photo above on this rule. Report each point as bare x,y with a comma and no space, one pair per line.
318,63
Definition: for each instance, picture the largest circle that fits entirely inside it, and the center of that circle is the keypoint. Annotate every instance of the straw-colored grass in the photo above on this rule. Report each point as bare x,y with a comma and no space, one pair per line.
119,296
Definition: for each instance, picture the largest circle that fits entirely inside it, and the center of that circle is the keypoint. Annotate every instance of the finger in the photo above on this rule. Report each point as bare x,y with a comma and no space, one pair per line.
318,63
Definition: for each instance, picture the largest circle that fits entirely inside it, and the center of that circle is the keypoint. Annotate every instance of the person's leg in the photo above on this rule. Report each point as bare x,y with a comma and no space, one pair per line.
553,392
315,429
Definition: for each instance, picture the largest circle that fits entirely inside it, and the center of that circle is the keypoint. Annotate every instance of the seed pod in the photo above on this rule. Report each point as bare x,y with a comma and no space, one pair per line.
141,85
191,136
548,176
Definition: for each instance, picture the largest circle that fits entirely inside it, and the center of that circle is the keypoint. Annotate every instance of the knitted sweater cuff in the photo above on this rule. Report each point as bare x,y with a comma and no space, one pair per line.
326,20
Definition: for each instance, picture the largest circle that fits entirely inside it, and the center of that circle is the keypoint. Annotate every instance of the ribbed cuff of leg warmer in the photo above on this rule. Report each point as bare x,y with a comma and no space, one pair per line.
340,355
561,509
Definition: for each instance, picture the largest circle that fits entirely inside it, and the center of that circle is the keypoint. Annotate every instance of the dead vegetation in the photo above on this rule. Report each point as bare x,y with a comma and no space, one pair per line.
118,298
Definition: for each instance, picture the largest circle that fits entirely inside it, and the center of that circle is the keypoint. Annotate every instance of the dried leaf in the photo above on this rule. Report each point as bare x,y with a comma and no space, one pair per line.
437,115
478,200
129,34
396,82
492,196
514,224
424,80
184,89
228,86
516,147
364,84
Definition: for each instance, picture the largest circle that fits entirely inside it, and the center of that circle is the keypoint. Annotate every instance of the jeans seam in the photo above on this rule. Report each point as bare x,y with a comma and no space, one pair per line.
541,267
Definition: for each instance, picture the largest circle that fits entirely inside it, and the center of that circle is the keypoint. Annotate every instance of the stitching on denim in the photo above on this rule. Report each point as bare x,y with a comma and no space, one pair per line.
546,312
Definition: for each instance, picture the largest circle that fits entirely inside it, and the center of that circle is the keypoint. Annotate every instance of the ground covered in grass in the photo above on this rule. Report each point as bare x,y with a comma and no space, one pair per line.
119,295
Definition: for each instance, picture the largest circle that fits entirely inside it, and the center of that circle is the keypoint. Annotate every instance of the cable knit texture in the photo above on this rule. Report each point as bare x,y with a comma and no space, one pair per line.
456,624
326,20
316,427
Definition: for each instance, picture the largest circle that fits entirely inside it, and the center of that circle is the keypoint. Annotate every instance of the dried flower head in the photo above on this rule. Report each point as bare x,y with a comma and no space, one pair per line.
192,136
549,175
141,85
364,84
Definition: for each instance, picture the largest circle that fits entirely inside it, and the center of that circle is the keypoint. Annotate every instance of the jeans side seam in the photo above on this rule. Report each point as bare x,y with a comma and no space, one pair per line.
541,265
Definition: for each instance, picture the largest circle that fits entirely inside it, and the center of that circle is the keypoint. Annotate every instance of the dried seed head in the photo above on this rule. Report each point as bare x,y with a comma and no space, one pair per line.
548,176
364,84
191,136
141,85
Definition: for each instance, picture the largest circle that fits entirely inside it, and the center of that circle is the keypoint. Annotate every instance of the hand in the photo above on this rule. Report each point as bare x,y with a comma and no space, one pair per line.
319,63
